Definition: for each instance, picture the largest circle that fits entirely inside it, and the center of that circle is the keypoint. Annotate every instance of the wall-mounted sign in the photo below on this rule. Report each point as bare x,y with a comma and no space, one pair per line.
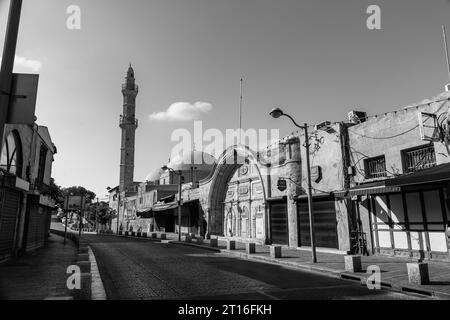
282,185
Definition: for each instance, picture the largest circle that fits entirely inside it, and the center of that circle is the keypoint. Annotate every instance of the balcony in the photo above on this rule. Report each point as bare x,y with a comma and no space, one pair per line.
125,121
419,158
375,167
132,88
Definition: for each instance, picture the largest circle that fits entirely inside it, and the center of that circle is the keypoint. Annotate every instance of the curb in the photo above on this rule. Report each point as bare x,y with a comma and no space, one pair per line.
186,244
341,274
96,290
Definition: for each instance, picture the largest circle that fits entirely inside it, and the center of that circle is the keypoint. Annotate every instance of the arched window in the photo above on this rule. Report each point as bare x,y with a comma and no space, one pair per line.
11,156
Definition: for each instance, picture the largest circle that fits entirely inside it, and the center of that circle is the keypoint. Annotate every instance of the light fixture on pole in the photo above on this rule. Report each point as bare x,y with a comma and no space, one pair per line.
165,168
277,113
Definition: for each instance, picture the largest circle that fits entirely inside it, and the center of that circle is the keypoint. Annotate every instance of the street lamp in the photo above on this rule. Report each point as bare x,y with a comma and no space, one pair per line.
165,168
277,113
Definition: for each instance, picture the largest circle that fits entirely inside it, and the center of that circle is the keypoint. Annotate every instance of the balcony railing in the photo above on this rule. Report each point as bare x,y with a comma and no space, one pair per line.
128,120
375,167
419,159
133,88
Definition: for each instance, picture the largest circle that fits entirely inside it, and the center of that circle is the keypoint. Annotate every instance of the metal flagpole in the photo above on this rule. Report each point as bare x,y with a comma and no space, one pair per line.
446,51
240,113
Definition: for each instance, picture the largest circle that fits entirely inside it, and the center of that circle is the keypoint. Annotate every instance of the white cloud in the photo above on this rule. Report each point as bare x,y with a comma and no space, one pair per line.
182,111
23,64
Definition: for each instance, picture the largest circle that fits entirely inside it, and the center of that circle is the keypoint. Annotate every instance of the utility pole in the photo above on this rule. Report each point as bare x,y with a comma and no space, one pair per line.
446,51
9,52
118,212
179,205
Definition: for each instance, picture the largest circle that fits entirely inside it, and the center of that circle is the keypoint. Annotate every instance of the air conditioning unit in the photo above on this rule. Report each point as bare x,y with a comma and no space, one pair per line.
324,126
356,117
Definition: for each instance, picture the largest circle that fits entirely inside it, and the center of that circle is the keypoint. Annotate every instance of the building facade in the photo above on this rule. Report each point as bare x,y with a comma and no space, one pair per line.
401,177
380,185
25,206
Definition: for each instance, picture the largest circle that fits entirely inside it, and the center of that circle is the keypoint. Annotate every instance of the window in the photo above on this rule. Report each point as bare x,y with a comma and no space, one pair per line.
11,156
42,159
375,167
419,158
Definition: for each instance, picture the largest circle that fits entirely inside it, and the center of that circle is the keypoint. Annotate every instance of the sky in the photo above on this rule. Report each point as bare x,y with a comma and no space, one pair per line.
316,59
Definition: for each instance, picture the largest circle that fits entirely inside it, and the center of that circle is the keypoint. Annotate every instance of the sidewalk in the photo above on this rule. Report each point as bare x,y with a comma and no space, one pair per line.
393,269
39,275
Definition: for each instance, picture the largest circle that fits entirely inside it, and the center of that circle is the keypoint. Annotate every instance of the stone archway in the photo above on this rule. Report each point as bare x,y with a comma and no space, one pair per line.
227,164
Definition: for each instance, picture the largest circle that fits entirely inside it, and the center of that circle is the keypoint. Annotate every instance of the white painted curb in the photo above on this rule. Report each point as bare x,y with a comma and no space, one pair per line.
97,289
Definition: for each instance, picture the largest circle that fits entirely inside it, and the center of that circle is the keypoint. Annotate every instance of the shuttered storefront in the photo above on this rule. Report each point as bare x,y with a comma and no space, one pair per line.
279,223
37,226
325,225
9,213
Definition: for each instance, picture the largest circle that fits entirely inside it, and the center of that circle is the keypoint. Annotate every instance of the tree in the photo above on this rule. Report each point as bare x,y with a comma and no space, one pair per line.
55,192
100,212
79,191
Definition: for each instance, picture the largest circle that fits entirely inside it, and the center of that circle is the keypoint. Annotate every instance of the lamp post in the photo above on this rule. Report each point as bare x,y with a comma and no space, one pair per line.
277,113
165,168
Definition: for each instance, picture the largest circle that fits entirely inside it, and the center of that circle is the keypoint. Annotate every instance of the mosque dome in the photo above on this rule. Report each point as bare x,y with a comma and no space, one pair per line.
154,176
201,160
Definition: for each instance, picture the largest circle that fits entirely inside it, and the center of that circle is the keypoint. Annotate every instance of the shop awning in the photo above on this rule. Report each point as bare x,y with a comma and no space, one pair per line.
370,188
304,197
439,173
144,213
164,207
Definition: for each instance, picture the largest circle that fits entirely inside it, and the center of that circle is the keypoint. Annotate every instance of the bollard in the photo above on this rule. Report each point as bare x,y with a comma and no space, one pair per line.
85,266
275,252
214,243
231,245
418,273
84,293
250,248
82,257
199,240
353,263
163,236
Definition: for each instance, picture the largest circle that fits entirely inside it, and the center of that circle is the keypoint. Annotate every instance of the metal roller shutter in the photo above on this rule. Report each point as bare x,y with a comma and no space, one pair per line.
279,223
9,212
325,225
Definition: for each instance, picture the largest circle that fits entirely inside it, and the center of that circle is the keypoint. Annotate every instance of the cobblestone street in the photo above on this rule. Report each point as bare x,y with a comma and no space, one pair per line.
136,269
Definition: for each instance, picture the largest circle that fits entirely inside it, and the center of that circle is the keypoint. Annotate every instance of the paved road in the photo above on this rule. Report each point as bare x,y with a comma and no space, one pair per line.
139,269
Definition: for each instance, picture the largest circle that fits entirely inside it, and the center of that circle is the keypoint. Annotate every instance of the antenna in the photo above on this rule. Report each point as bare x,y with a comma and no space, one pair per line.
446,51
240,113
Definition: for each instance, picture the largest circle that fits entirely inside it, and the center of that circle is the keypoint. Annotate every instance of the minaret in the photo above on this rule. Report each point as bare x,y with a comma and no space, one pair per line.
128,124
